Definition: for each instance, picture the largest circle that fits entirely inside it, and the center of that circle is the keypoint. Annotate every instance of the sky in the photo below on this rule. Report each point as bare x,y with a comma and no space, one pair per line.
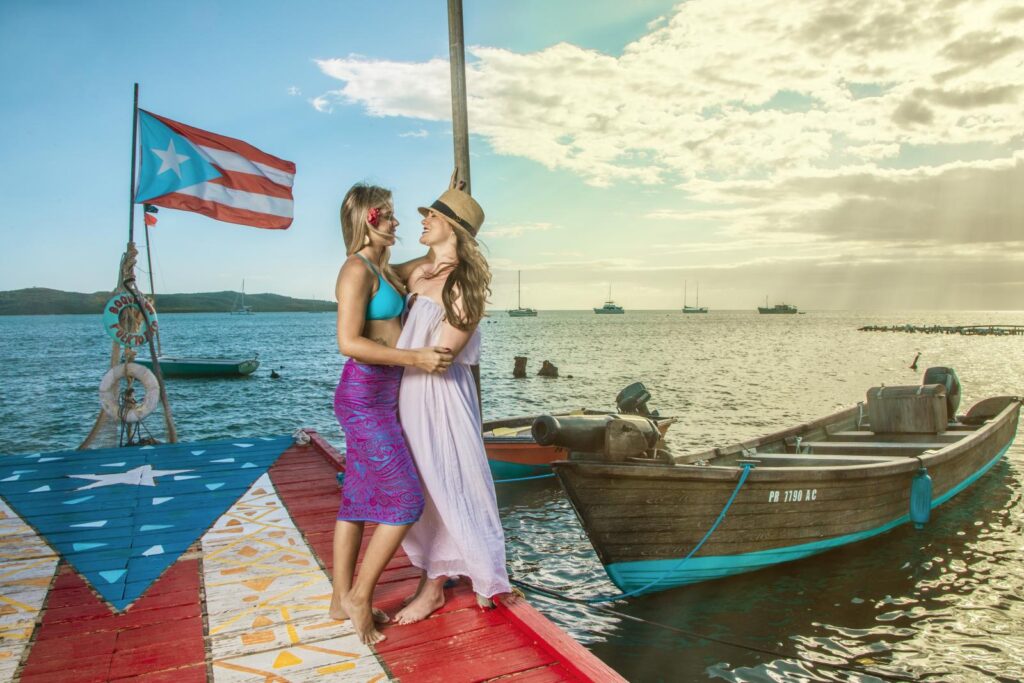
830,154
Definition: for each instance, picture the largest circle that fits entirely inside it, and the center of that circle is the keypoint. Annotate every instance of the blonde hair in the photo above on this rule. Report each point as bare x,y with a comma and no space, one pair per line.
470,278
355,228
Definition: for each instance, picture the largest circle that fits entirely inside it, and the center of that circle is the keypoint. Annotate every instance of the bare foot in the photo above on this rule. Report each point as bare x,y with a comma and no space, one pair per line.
362,620
484,603
416,593
421,607
337,612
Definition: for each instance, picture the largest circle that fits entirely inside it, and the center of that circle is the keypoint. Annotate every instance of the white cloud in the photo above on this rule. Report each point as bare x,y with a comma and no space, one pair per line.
501,231
421,133
742,88
294,90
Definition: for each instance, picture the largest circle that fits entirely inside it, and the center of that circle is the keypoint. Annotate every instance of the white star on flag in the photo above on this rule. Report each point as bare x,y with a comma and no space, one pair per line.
170,159
140,476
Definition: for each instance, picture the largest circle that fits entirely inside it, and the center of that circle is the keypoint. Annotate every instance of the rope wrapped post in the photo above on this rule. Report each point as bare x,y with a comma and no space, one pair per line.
172,432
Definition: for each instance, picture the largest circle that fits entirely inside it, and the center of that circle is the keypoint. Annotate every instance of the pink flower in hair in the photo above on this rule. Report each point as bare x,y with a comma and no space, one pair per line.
373,216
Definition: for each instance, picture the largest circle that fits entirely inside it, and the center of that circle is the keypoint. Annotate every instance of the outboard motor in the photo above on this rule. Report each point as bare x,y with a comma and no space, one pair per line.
633,400
614,437
947,378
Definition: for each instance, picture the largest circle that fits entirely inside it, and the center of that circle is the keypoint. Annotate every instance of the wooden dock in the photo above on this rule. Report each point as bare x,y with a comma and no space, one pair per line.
210,562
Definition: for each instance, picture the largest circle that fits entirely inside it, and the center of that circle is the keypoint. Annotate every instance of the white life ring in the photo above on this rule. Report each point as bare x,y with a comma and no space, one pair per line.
110,391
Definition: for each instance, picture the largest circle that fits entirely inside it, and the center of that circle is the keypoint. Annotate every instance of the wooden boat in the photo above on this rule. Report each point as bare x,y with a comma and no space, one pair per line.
203,367
817,486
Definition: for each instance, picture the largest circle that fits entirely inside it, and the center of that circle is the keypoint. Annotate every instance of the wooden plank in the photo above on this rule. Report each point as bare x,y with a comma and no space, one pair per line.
476,655
570,654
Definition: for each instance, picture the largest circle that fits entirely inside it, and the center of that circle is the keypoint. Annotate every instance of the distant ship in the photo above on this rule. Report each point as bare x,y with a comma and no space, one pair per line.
777,309
610,306
693,309
519,311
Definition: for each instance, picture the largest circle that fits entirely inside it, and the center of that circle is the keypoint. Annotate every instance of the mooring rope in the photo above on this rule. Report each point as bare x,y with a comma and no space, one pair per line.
700,636
533,478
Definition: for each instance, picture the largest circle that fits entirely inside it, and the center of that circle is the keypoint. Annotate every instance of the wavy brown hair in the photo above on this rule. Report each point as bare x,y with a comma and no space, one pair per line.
355,228
470,278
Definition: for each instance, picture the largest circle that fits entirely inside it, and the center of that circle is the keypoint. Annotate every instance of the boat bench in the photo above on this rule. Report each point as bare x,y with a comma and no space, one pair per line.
823,460
866,436
867,447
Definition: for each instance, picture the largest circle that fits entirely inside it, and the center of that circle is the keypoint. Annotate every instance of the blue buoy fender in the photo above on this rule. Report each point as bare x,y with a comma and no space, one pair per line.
921,498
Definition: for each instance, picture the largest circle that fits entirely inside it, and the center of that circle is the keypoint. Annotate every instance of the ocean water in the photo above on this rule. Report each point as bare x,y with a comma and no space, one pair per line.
946,603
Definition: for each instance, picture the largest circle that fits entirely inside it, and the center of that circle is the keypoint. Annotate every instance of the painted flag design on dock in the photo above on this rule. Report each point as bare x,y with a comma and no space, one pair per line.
190,169
123,516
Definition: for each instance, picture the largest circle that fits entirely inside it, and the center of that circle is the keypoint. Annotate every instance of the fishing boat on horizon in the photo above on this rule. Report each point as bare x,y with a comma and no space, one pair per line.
658,520
777,309
610,307
693,309
519,311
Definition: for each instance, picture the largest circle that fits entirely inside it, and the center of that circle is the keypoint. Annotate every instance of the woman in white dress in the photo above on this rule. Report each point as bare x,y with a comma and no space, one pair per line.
459,533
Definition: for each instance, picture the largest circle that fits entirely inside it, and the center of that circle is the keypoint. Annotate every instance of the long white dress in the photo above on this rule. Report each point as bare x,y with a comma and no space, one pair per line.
460,531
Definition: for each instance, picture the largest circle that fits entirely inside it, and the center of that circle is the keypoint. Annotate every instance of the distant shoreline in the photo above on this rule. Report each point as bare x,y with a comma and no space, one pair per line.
43,301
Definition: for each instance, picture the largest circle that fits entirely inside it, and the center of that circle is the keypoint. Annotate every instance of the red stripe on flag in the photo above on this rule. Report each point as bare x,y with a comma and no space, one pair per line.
150,219
220,212
251,183
204,137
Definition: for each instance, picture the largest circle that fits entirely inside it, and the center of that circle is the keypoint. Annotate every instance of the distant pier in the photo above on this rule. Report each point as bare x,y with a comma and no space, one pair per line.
973,330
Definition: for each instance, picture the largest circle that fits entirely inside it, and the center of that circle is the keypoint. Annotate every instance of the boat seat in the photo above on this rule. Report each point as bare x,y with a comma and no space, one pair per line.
861,436
823,460
867,447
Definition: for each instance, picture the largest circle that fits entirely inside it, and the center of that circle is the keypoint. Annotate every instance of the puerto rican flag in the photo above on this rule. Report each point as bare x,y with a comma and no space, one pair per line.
226,179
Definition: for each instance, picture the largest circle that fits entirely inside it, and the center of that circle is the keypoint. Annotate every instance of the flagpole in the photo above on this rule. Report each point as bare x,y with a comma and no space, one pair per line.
132,287
131,190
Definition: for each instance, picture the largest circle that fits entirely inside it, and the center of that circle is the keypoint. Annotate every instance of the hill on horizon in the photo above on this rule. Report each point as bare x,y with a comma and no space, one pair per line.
44,301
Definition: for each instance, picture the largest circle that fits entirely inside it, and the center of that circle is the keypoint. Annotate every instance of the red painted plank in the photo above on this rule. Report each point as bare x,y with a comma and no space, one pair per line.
474,656
567,651
545,674
188,674
85,640
86,673
157,657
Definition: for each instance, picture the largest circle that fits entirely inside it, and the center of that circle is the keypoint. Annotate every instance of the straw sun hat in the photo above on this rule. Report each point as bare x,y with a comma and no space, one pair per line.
458,208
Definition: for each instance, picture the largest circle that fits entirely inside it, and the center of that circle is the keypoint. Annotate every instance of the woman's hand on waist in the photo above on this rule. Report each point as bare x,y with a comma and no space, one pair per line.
436,359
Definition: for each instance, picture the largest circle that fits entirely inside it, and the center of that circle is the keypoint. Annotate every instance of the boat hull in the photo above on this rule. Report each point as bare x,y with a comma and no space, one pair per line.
204,367
645,519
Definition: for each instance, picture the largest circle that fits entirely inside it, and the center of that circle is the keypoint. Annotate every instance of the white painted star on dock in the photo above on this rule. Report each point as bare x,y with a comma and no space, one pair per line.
140,476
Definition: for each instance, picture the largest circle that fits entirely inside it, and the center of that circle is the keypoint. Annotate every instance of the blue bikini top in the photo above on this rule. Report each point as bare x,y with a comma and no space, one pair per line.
387,303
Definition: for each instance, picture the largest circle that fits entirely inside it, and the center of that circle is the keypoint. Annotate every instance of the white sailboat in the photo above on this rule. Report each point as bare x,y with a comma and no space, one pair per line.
240,307
693,309
519,311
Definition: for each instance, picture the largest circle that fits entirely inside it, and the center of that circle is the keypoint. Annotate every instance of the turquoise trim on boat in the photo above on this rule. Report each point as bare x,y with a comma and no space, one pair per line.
514,470
629,576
